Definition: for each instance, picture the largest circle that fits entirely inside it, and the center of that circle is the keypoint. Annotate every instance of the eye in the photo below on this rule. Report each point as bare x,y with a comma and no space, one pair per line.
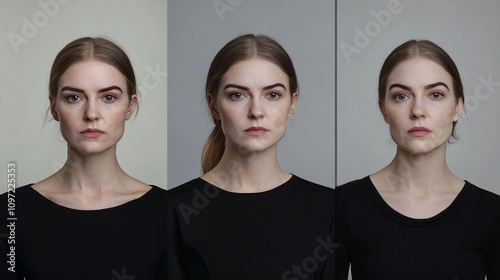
274,95
236,95
400,96
436,95
73,98
109,98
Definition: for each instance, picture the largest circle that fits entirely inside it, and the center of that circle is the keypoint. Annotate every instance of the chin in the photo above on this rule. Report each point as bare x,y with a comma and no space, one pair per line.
421,149
91,150
250,149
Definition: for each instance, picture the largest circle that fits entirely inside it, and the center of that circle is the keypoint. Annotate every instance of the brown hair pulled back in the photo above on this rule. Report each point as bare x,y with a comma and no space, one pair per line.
241,48
88,48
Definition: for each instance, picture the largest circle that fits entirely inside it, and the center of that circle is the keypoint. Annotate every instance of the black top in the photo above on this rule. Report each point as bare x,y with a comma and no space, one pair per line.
53,242
283,233
461,242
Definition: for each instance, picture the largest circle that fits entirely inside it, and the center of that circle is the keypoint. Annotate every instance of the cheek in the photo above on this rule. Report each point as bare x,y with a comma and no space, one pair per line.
280,118
232,120
395,118
451,113
67,116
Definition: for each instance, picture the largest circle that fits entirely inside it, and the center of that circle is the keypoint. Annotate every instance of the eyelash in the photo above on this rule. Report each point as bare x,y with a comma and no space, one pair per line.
399,94
70,98
232,95
441,95
109,101
278,95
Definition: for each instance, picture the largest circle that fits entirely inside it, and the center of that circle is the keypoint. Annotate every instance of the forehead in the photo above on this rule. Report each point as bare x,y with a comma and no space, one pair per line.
254,72
92,73
419,72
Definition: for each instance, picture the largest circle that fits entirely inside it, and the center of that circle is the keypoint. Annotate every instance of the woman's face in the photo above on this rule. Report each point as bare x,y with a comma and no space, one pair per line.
420,105
253,104
91,106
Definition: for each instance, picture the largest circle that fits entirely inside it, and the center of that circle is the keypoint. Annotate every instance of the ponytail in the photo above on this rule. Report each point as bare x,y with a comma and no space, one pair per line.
213,148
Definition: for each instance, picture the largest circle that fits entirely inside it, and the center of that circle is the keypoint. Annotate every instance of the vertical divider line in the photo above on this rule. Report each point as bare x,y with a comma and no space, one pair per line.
335,92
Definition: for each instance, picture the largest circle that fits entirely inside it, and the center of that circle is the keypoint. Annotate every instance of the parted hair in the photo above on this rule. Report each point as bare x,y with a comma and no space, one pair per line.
239,49
88,48
425,49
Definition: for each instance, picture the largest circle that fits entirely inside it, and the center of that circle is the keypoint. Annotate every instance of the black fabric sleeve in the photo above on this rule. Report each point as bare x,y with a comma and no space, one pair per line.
493,258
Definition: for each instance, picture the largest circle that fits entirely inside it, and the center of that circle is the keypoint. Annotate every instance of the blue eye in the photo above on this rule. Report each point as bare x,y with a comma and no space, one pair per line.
436,95
72,98
236,95
274,95
109,98
400,97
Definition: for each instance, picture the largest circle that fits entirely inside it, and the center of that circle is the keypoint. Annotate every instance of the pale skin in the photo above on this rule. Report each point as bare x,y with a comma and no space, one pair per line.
253,103
420,108
91,105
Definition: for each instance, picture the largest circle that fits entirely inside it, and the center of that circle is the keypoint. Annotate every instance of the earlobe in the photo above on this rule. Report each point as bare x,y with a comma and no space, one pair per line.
295,96
212,105
382,111
458,109
53,108
131,106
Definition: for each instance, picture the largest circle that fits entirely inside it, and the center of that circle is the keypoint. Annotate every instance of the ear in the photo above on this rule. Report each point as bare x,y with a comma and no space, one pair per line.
458,109
295,97
212,106
131,106
381,107
53,108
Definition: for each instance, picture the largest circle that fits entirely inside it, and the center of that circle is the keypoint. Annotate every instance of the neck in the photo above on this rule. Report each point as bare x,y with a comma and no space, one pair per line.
93,172
247,172
418,171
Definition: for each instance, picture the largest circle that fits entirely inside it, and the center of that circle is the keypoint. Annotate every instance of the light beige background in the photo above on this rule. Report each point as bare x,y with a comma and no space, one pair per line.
40,30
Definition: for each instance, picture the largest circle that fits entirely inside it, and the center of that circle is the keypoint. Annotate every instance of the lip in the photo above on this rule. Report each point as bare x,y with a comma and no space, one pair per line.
256,131
419,131
92,133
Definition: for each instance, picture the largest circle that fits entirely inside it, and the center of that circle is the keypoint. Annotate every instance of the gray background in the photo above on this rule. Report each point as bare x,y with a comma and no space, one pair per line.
468,31
305,29
138,26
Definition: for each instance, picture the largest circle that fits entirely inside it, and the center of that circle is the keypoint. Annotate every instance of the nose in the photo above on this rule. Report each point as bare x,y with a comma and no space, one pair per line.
256,110
91,111
418,108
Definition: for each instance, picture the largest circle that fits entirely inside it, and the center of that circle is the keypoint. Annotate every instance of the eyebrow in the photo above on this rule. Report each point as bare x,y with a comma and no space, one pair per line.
246,88
426,87
99,91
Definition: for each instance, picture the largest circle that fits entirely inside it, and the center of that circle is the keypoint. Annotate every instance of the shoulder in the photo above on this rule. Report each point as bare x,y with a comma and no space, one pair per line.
482,197
306,187
356,195
306,190
354,186
20,193
189,189
299,181
157,190
20,202
155,194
